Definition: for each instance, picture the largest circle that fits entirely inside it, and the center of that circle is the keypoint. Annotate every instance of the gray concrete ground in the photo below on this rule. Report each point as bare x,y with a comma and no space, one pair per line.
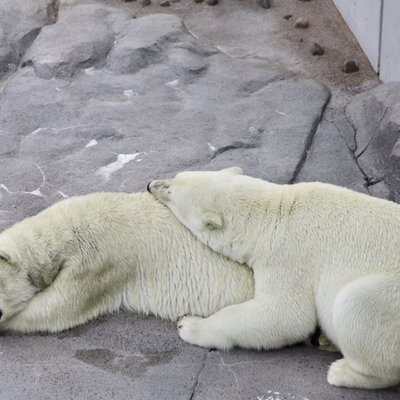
93,99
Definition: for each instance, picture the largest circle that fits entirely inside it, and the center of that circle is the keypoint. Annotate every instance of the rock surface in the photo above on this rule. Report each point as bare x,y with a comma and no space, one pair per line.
93,100
375,117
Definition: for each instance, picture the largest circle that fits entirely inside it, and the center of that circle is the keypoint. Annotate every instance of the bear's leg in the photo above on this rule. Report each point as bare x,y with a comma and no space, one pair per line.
251,324
366,326
72,299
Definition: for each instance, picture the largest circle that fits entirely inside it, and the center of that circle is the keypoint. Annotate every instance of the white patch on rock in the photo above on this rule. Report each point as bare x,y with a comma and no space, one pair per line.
37,130
5,188
62,194
37,192
89,71
92,143
280,112
128,93
172,83
211,147
109,169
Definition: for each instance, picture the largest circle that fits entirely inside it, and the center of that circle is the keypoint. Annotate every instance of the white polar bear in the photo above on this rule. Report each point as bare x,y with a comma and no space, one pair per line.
96,254
320,253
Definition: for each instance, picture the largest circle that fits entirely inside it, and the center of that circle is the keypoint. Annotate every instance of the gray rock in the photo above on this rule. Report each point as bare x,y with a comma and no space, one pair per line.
164,3
142,42
301,23
350,67
317,50
81,38
146,3
20,23
375,116
212,2
265,3
380,190
330,160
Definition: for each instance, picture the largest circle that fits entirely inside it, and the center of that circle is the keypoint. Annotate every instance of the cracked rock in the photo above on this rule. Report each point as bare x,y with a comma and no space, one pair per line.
375,116
301,23
20,23
317,50
350,67
141,42
81,38
265,3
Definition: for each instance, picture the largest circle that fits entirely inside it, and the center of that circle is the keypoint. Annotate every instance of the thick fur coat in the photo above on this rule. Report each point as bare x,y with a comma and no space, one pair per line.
321,254
96,254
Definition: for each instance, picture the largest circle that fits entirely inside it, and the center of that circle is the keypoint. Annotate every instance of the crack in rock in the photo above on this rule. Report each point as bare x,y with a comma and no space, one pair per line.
196,381
309,140
52,11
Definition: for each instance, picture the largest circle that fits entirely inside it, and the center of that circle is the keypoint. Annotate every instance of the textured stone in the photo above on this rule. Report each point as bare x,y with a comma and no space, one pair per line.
330,160
375,116
317,50
350,67
265,3
20,23
81,38
141,42
301,23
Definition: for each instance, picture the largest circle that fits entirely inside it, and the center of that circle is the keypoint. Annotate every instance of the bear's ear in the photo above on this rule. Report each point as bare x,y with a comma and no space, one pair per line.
4,256
233,170
211,221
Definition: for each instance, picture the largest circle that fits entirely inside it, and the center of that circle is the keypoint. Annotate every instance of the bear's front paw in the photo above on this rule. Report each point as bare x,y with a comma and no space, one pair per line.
191,330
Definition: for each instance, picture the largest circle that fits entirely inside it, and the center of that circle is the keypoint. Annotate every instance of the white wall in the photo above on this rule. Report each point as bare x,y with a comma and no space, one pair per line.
390,50
376,25
364,19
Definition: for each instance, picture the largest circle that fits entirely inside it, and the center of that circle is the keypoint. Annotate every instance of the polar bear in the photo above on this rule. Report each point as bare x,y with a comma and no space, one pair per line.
320,254
96,254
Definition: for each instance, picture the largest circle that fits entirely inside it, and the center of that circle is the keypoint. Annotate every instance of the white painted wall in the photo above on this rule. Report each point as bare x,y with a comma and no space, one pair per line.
364,19
390,50
376,25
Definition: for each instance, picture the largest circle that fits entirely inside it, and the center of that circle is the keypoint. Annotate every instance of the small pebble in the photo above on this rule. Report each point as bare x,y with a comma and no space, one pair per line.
264,3
164,3
127,1
198,1
212,2
146,3
350,66
288,16
174,1
301,23
296,39
317,50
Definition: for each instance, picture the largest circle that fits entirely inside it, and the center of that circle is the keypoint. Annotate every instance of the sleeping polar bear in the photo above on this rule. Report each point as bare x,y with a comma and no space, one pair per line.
320,253
96,254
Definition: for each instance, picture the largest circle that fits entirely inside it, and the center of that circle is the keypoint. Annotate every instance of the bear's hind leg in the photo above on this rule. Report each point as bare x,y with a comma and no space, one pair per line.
343,375
366,323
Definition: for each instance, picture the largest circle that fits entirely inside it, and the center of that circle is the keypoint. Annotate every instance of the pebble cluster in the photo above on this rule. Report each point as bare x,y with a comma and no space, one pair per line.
349,66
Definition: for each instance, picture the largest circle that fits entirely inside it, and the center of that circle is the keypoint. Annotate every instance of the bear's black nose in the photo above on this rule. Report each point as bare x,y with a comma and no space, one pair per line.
148,187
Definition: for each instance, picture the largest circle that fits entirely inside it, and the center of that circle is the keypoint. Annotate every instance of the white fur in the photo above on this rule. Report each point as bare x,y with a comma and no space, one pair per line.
96,254
320,254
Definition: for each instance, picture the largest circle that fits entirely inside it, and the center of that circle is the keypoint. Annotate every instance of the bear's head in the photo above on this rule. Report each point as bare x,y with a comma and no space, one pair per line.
16,288
213,205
